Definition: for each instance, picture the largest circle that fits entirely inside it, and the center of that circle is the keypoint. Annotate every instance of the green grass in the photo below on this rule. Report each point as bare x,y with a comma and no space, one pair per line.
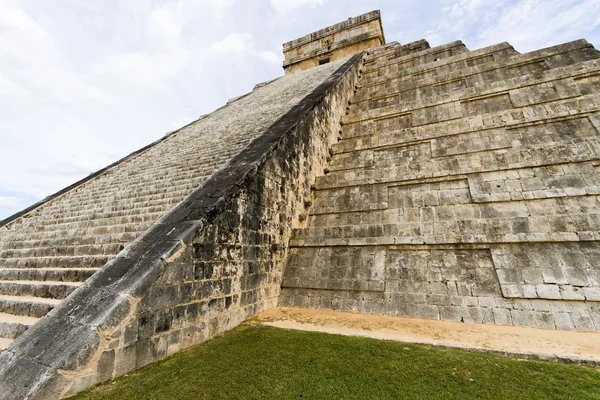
254,362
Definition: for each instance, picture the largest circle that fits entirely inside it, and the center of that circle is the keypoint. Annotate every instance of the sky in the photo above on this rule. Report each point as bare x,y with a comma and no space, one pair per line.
83,83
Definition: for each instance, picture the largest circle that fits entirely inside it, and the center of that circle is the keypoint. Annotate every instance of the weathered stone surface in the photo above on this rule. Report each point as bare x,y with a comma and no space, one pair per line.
474,176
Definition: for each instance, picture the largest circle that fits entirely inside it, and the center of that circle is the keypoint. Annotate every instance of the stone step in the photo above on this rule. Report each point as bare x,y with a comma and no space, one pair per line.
131,201
393,132
92,210
554,57
420,96
46,289
428,204
64,251
479,75
493,125
384,65
12,326
41,218
93,231
93,197
110,194
525,90
479,59
161,176
394,50
69,241
109,214
441,151
507,223
56,262
92,222
385,172
47,274
455,67
27,305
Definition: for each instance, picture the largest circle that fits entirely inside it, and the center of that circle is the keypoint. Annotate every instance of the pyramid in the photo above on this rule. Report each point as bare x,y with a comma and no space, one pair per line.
398,179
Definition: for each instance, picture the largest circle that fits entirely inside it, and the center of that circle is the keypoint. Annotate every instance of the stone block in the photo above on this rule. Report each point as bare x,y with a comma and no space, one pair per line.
563,321
450,313
522,317
105,367
583,321
472,315
548,291
427,311
568,292
502,316
543,320
591,293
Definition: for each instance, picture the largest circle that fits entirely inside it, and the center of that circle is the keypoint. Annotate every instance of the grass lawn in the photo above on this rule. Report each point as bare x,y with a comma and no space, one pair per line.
253,362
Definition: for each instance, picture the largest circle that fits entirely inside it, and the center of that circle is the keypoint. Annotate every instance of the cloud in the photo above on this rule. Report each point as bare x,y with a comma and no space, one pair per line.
10,205
271,57
10,202
147,70
85,84
243,44
288,6
526,24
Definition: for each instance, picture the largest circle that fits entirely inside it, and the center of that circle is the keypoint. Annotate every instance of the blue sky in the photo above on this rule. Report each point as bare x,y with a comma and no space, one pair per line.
85,82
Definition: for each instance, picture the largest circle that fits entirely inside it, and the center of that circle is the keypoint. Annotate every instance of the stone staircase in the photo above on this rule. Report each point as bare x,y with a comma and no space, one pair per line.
464,186
49,253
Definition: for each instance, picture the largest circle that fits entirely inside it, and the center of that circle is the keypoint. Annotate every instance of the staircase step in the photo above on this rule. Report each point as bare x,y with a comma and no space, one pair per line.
127,237
44,289
47,274
27,305
91,222
55,262
383,65
131,202
552,57
131,196
41,218
64,251
12,326
83,212
93,231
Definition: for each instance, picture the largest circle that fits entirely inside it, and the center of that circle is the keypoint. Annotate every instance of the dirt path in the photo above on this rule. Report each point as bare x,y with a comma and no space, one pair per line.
579,347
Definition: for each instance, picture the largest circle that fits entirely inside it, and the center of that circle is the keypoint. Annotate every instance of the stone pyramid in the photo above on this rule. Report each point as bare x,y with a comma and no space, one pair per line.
437,183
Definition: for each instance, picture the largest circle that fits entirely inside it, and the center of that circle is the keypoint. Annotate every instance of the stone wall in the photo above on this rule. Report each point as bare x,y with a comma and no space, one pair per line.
465,187
208,264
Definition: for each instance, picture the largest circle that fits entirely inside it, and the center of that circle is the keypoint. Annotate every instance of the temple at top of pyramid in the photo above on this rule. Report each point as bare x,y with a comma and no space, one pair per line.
334,42
398,179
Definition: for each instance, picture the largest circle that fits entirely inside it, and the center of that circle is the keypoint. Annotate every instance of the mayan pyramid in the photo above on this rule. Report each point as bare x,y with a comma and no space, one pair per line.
397,179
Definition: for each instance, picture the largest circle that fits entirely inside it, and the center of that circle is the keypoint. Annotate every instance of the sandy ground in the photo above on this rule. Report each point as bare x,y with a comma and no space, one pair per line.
579,347
4,343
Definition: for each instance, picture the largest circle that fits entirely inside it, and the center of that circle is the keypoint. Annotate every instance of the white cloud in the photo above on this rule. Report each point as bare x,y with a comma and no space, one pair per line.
10,202
243,44
271,57
288,6
231,44
10,205
526,24
86,83
148,70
